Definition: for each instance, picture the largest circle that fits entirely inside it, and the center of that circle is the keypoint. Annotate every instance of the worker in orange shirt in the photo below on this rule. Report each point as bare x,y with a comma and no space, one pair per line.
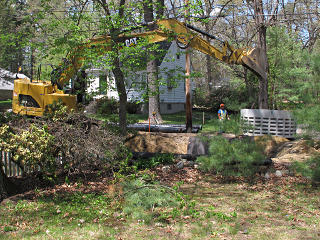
222,115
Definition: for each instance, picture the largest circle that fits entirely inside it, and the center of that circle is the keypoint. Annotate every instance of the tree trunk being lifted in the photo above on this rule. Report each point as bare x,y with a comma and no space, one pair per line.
152,71
262,44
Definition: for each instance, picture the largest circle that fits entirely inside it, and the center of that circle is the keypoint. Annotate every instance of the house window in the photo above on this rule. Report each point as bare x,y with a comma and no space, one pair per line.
170,80
169,106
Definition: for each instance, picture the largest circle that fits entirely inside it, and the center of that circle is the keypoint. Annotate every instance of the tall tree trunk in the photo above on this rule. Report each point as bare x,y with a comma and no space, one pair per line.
152,71
248,84
117,72
262,43
208,63
121,88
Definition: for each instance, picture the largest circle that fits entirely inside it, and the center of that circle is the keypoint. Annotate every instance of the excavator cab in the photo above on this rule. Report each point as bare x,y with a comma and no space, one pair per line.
31,98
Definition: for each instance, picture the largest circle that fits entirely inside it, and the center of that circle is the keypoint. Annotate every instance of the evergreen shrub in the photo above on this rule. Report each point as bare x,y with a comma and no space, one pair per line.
240,157
144,201
309,169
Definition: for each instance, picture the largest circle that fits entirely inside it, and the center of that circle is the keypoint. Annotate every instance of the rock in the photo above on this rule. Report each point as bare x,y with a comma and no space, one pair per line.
180,165
197,146
278,173
267,176
190,163
165,169
286,172
158,224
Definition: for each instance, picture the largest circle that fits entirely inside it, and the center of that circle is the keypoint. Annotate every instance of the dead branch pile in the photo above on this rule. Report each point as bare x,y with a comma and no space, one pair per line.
81,143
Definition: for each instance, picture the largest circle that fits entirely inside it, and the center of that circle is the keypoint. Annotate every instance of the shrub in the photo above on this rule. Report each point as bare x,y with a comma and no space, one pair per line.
133,107
234,96
309,169
235,125
144,201
76,143
235,158
56,111
32,147
107,105
157,159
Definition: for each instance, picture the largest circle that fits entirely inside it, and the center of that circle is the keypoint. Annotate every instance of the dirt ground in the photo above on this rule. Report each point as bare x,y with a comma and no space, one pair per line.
153,142
284,151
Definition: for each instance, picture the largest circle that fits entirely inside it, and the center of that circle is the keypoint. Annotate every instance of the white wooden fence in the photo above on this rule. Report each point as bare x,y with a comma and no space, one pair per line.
10,168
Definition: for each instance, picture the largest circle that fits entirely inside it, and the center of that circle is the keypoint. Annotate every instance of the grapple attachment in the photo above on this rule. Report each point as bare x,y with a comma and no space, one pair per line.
255,62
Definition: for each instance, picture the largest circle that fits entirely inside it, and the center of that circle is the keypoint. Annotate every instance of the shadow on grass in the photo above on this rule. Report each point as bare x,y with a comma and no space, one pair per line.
52,215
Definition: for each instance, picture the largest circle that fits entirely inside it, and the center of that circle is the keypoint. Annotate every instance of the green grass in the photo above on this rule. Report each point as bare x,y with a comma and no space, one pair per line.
63,216
211,123
177,118
5,104
220,211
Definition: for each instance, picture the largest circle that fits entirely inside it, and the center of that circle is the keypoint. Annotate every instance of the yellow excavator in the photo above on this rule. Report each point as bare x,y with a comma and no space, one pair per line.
30,97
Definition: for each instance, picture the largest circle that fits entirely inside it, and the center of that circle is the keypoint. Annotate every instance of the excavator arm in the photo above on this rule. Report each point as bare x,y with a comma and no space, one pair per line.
165,29
32,97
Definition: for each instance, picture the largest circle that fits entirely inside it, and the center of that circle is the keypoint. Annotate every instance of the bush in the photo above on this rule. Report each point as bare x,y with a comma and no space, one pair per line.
75,143
309,169
144,201
133,108
56,111
106,105
235,98
308,117
157,159
235,125
235,158
32,147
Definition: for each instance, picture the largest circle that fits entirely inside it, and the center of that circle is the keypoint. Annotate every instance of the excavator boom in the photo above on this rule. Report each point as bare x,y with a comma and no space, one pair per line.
31,98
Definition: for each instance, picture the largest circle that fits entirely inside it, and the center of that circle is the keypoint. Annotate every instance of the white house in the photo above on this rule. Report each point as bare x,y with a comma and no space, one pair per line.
172,82
6,83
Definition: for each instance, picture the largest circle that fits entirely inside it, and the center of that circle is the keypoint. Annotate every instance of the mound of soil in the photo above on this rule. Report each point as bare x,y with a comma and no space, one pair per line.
156,142
283,151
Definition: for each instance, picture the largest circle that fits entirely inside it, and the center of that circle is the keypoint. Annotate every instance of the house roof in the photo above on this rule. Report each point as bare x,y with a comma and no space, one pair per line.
165,45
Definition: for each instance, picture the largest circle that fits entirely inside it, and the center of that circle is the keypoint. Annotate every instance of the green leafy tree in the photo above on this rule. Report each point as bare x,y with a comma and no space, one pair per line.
288,66
15,32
